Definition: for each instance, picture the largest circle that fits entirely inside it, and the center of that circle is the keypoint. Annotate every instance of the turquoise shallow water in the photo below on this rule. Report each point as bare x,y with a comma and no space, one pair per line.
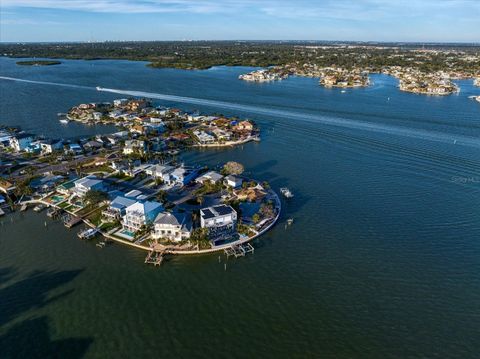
383,259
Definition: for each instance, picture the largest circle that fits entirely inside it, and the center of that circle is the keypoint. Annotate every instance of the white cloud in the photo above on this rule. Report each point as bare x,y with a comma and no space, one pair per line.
335,9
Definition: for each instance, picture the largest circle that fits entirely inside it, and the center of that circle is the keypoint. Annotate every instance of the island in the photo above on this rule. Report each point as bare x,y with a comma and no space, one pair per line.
131,187
187,129
329,76
38,63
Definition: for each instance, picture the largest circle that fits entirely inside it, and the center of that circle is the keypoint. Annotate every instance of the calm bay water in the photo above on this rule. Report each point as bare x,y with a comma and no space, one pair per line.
383,259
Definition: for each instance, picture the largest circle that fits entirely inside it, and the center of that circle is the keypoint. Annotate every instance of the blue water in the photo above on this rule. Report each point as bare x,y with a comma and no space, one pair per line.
382,261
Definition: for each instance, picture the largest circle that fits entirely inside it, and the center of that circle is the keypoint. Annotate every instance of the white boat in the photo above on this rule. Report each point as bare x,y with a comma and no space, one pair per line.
64,120
88,233
39,208
286,192
98,88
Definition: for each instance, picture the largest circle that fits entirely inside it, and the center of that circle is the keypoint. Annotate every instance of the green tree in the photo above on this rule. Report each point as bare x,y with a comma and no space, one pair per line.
233,168
93,197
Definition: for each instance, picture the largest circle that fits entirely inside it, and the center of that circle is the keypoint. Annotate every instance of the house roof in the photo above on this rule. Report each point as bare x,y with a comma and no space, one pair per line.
233,178
212,175
88,182
175,219
121,202
216,211
144,207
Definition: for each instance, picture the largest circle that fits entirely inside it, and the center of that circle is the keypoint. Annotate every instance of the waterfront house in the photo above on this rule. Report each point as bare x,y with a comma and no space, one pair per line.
66,187
183,175
50,146
222,135
140,214
172,226
244,126
21,141
6,186
210,176
33,148
203,137
74,148
120,102
117,208
221,222
233,181
92,145
161,172
89,183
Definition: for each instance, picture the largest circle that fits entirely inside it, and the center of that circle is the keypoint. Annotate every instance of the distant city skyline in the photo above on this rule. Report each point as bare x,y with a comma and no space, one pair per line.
335,20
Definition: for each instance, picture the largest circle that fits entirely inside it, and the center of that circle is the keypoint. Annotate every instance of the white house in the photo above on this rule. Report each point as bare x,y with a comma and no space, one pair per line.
172,226
132,146
21,141
161,171
117,208
203,137
140,214
210,176
221,222
120,102
49,146
89,183
183,175
233,181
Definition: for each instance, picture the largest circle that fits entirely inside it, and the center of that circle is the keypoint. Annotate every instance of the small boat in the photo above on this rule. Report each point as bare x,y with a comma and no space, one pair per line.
286,192
98,88
23,208
343,91
64,120
39,207
290,221
87,234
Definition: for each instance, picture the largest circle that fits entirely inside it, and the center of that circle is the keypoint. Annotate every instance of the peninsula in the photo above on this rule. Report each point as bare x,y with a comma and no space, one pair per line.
130,186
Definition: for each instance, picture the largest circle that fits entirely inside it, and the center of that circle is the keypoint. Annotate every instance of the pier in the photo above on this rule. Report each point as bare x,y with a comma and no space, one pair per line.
70,220
239,250
155,258
54,212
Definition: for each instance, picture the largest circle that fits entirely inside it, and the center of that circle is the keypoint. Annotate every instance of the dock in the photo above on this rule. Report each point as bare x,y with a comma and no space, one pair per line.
239,250
54,212
155,258
88,233
69,220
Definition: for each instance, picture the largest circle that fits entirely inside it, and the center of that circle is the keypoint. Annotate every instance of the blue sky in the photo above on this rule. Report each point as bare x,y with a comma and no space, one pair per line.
363,20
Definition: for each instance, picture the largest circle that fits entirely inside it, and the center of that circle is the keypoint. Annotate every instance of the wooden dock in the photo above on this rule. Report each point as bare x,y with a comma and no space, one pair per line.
54,212
155,258
69,220
239,250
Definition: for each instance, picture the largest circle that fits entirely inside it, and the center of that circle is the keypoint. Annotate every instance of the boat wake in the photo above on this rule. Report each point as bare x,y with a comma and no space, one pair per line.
431,135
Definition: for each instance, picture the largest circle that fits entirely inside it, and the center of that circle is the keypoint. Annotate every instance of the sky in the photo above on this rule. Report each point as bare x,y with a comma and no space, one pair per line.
355,20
